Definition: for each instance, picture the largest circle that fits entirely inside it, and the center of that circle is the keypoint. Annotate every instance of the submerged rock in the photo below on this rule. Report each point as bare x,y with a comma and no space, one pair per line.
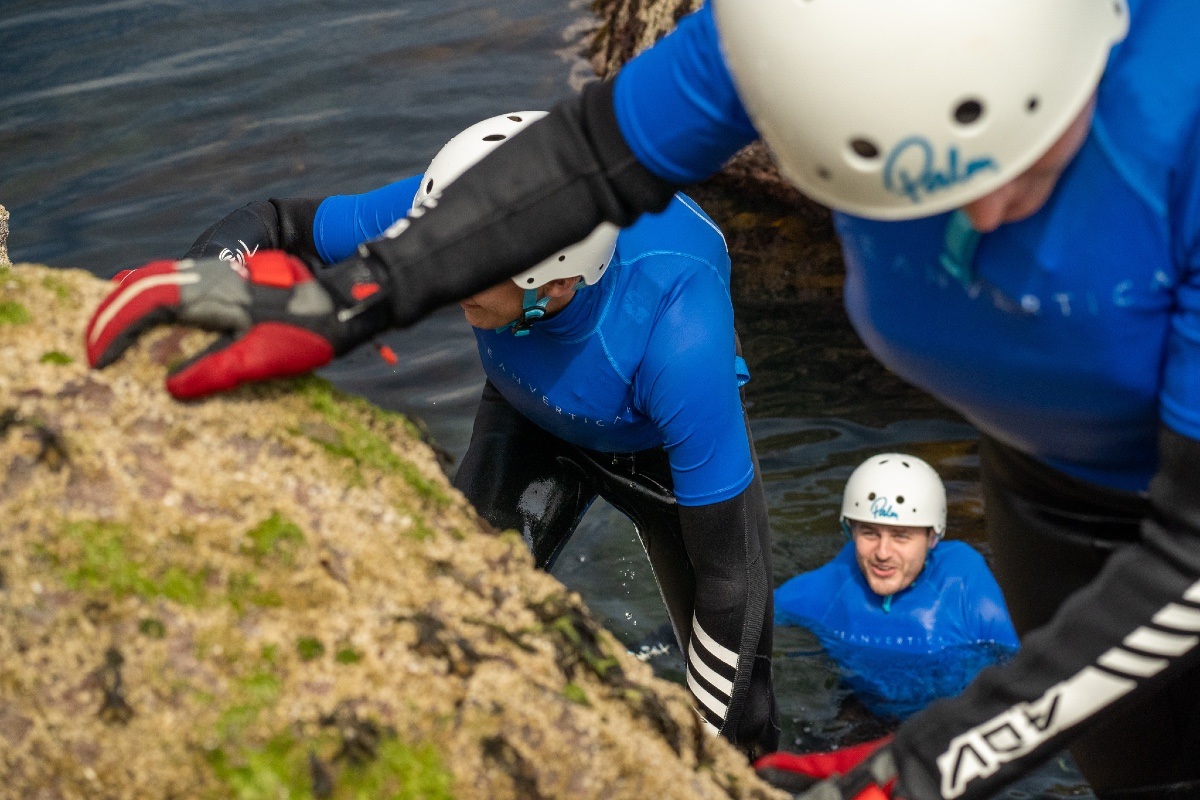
276,593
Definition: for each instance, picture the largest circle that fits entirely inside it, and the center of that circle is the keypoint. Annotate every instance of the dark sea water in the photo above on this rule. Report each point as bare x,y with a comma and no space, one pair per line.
129,126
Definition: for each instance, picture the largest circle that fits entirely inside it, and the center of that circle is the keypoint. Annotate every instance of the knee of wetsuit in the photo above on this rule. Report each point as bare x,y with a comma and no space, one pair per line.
721,598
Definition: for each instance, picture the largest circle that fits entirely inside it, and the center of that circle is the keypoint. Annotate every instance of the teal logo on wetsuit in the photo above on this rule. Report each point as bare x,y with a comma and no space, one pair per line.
880,507
911,169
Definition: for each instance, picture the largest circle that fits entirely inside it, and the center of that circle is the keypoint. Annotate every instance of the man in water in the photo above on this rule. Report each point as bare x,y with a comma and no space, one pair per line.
612,371
1017,188
907,616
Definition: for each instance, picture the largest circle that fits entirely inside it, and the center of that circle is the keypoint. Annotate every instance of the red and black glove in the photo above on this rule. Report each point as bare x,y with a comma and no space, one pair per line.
863,772
276,318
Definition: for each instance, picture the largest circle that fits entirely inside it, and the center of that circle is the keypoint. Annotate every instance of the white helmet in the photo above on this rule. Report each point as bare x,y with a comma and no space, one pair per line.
588,258
896,489
898,109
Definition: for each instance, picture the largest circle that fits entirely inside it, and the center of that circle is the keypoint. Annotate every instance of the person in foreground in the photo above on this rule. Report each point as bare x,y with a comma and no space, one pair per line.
612,371
1018,200
907,616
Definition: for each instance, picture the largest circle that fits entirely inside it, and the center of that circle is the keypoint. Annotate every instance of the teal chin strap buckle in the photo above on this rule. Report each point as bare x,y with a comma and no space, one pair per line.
958,252
532,309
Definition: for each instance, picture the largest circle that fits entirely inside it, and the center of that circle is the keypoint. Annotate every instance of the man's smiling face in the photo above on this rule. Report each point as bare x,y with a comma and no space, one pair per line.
890,556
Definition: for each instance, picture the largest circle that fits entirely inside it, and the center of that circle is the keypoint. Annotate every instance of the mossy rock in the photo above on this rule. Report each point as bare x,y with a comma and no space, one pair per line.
275,593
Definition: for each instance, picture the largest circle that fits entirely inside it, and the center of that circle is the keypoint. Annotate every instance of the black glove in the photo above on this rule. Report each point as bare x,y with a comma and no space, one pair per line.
261,225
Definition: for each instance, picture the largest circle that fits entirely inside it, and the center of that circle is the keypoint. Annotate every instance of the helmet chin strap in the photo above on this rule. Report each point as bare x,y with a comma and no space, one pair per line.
532,309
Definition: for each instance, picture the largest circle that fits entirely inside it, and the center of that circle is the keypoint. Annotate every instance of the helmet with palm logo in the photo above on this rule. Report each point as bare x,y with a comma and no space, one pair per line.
898,109
895,489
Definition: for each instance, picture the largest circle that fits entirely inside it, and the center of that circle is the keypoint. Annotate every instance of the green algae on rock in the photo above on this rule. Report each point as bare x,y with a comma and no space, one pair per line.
276,593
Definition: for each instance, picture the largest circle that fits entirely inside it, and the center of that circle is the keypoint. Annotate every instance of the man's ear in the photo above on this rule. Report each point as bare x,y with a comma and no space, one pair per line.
932,534
560,287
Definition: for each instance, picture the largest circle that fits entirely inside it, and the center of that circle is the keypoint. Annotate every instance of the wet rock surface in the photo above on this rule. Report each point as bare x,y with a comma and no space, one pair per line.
3,235
276,593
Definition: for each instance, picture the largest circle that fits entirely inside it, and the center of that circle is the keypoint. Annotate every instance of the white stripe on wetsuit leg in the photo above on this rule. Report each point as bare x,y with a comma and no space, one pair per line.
712,646
707,700
696,664
1192,595
1180,618
701,646
1160,643
1123,661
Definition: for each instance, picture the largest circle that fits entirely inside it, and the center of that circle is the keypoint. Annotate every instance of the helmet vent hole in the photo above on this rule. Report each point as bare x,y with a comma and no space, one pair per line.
824,174
429,186
562,258
968,112
515,118
529,280
871,496
1031,105
899,499
494,137
864,148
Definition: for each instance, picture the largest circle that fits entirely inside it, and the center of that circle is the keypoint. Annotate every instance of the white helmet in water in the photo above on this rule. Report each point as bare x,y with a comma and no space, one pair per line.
896,489
898,109
589,258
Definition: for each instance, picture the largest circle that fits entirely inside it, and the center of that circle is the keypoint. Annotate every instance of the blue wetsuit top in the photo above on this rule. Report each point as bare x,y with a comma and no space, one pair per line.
1072,333
644,358
955,600
926,642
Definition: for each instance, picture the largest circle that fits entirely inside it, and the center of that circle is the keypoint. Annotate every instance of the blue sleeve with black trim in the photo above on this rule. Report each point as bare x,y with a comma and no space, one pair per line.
343,222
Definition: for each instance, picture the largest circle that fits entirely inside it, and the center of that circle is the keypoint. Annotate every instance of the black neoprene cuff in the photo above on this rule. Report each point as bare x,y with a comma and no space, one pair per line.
262,225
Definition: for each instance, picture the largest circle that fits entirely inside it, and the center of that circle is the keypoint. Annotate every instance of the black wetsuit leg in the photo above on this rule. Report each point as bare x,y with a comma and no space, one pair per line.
639,486
1051,534
711,563
521,477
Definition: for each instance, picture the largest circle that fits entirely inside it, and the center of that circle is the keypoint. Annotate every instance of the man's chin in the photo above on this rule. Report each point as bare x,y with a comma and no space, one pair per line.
482,321
884,588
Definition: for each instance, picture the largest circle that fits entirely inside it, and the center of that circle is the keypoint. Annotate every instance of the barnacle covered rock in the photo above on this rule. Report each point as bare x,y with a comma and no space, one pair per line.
276,593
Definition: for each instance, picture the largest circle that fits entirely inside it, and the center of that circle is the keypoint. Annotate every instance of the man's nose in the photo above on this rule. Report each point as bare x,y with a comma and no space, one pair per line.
884,549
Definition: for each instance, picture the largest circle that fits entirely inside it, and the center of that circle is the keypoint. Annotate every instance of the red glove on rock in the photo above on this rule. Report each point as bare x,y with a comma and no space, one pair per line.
277,319
862,772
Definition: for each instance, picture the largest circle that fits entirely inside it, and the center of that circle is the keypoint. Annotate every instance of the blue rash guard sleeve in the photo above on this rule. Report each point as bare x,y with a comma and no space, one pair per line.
677,107
688,385
343,222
